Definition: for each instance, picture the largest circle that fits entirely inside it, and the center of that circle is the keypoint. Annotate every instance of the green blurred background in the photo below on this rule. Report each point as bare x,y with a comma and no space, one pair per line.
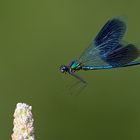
38,36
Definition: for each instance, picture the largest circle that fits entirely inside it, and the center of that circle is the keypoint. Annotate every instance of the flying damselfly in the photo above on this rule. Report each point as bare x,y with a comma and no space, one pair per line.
106,51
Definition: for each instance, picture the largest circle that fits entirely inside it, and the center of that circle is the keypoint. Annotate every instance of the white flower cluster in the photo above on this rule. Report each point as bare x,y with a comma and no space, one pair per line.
23,123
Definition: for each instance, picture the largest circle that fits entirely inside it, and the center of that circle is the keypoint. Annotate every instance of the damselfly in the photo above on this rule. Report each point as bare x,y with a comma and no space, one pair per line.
106,51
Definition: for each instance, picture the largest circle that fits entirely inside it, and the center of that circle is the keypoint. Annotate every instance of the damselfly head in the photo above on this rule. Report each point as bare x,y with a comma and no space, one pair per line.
63,69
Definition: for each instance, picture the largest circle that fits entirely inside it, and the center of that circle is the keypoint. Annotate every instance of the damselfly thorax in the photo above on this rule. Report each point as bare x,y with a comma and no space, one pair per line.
71,67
